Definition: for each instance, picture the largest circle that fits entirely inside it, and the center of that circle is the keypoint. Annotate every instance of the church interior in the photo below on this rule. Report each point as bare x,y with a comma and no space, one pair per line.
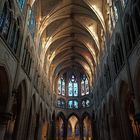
69,69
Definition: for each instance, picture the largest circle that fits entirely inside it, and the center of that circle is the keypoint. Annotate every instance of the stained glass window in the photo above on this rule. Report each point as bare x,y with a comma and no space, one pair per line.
85,103
5,21
32,22
21,3
73,104
73,86
61,103
61,86
84,85
2,17
115,12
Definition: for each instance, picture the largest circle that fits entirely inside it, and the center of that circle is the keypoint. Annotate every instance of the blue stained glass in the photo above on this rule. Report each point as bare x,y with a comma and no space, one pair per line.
3,15
73,87
70,88
73,104
61,103
6,25
21,3
70,104
63,87
32,22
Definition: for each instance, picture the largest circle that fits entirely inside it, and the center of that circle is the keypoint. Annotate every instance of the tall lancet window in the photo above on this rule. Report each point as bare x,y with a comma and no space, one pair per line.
21,3
5,21
32,22
115,12
84,85
61,86
73,86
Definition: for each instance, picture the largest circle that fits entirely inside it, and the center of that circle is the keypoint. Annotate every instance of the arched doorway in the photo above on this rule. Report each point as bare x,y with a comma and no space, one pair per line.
124,102
4,90
52,127
112,120
73,128
87,130
4,96
14,126
86,126
59,128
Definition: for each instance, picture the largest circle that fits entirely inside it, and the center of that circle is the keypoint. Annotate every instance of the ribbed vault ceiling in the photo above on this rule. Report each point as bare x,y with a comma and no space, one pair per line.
71,31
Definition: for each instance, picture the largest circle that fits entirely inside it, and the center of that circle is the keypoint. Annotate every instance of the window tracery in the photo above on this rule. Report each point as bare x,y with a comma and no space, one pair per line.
73,86
61,103
85,103
113,15
73,104
61,86
84,85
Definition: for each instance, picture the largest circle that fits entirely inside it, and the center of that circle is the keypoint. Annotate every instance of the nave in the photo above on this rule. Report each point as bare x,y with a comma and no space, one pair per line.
69,69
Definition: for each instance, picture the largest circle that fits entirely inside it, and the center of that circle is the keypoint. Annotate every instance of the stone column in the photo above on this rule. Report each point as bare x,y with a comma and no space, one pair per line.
106,128
102,136
87,134
93,129
114,128
81,131
52,131
6,115
65,127
49,131
39,131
